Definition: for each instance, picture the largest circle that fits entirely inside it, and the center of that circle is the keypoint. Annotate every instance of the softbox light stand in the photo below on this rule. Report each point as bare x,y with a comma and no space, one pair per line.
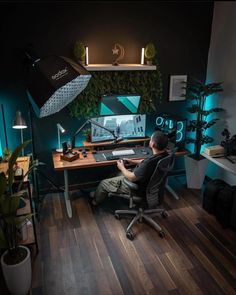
37,171
52,83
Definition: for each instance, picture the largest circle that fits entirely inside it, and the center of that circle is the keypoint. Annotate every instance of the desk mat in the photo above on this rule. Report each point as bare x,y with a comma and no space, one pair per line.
140,152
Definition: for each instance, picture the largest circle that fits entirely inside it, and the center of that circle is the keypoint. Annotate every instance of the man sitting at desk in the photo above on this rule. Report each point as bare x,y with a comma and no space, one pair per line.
140,175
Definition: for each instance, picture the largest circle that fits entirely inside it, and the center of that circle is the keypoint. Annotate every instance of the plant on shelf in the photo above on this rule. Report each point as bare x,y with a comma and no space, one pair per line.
16,259
150,53
198,93
79,52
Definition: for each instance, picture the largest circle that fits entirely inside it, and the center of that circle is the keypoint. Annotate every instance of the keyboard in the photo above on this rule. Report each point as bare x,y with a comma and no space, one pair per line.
111,158
121,153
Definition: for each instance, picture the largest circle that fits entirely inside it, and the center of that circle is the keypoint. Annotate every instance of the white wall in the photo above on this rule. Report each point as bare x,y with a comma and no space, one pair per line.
222,67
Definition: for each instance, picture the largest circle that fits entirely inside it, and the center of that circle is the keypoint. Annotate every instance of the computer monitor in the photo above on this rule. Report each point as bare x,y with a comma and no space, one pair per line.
124,126
119,104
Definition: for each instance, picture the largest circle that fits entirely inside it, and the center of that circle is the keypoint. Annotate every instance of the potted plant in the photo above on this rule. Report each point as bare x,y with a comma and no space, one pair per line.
87,134
150,52
198,92
15,261
6,154
79,52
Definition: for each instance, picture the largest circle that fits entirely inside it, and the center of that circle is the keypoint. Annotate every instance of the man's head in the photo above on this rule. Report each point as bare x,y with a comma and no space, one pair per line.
158,141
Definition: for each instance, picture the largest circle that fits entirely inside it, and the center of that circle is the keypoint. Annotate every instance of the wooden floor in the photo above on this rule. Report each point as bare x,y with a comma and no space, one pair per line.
90,254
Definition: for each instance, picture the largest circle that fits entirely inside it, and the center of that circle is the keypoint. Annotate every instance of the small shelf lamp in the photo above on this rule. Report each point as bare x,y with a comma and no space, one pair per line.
60,130
19,123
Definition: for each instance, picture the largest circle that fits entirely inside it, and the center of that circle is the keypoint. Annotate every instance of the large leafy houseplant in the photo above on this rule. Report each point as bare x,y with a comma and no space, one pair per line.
9,204
198,93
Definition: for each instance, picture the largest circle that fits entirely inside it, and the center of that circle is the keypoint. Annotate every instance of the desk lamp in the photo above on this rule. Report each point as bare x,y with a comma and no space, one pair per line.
19,123
60,130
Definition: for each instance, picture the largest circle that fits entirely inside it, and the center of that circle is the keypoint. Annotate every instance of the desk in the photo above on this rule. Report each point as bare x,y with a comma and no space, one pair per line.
88,162
223,163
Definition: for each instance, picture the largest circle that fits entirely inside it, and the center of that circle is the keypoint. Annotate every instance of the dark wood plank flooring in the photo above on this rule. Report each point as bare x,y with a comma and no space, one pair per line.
90,254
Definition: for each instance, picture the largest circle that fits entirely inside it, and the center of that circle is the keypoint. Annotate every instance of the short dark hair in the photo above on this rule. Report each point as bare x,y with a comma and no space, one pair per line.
160,140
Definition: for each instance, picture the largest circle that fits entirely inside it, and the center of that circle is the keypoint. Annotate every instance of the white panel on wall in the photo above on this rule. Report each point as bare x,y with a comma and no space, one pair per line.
222,67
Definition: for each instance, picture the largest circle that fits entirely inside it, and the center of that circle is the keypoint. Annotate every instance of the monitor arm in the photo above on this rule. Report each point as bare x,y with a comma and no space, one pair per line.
95,123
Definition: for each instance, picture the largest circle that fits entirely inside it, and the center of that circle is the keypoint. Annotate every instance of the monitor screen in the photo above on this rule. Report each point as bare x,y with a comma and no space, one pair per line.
119,104
124,126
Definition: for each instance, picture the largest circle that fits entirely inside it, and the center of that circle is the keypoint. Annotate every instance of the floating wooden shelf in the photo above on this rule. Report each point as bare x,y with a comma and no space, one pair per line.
121,67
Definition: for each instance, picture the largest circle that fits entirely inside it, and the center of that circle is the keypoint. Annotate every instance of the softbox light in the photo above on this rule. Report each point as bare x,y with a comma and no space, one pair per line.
54,82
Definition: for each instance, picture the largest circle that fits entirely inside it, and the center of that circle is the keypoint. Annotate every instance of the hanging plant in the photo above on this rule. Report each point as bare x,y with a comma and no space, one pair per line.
148,84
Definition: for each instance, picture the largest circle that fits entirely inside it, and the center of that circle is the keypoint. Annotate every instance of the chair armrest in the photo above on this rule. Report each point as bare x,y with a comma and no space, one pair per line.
131,185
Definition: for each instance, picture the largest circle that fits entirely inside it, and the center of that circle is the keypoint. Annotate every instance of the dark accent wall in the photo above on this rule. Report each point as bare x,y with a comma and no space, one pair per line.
180,30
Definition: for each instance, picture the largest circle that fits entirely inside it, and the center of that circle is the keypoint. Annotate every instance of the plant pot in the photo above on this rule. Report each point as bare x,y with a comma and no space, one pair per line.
81,62
17,276
149,62
195,172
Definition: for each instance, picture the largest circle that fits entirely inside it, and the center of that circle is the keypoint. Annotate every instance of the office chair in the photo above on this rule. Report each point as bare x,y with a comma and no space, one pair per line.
147,205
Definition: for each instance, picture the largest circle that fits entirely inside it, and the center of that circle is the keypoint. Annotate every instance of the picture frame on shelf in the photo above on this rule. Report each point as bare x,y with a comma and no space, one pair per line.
176,91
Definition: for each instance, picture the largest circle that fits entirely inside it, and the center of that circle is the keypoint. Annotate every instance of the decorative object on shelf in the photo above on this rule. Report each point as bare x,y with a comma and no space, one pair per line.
19,123
148,84
142,56
120,51
198,92
15,262
86,56
150,53
60,130
80,52
176,91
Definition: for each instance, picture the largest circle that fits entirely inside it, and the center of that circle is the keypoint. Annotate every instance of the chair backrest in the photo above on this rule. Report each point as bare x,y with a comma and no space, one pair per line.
156,186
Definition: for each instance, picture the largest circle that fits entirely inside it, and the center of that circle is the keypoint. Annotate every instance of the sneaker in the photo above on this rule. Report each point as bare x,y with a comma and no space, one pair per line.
91,200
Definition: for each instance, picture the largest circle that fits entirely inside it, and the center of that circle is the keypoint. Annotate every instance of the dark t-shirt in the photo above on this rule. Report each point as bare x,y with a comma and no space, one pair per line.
145,169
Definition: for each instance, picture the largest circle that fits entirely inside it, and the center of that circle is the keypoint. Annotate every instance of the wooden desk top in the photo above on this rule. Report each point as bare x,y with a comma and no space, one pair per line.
23,162
87,162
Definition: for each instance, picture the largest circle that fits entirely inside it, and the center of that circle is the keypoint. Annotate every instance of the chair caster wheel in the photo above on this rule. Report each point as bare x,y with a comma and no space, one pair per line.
162,234
164,214
129,236
117,216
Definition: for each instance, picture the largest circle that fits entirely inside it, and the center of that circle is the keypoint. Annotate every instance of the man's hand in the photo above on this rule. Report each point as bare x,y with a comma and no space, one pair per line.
120,165
128,174
132,161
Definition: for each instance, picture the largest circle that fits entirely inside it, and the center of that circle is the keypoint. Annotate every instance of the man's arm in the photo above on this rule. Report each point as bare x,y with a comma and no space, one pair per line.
133,161
128,174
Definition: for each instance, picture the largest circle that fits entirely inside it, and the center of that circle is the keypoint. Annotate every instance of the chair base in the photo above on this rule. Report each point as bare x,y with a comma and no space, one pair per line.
141,215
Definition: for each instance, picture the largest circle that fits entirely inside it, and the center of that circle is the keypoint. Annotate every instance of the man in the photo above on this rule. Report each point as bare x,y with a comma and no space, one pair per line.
141,173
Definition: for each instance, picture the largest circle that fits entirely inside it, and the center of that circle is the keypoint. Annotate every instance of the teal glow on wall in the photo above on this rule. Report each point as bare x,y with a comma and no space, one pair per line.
13,100
0,148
